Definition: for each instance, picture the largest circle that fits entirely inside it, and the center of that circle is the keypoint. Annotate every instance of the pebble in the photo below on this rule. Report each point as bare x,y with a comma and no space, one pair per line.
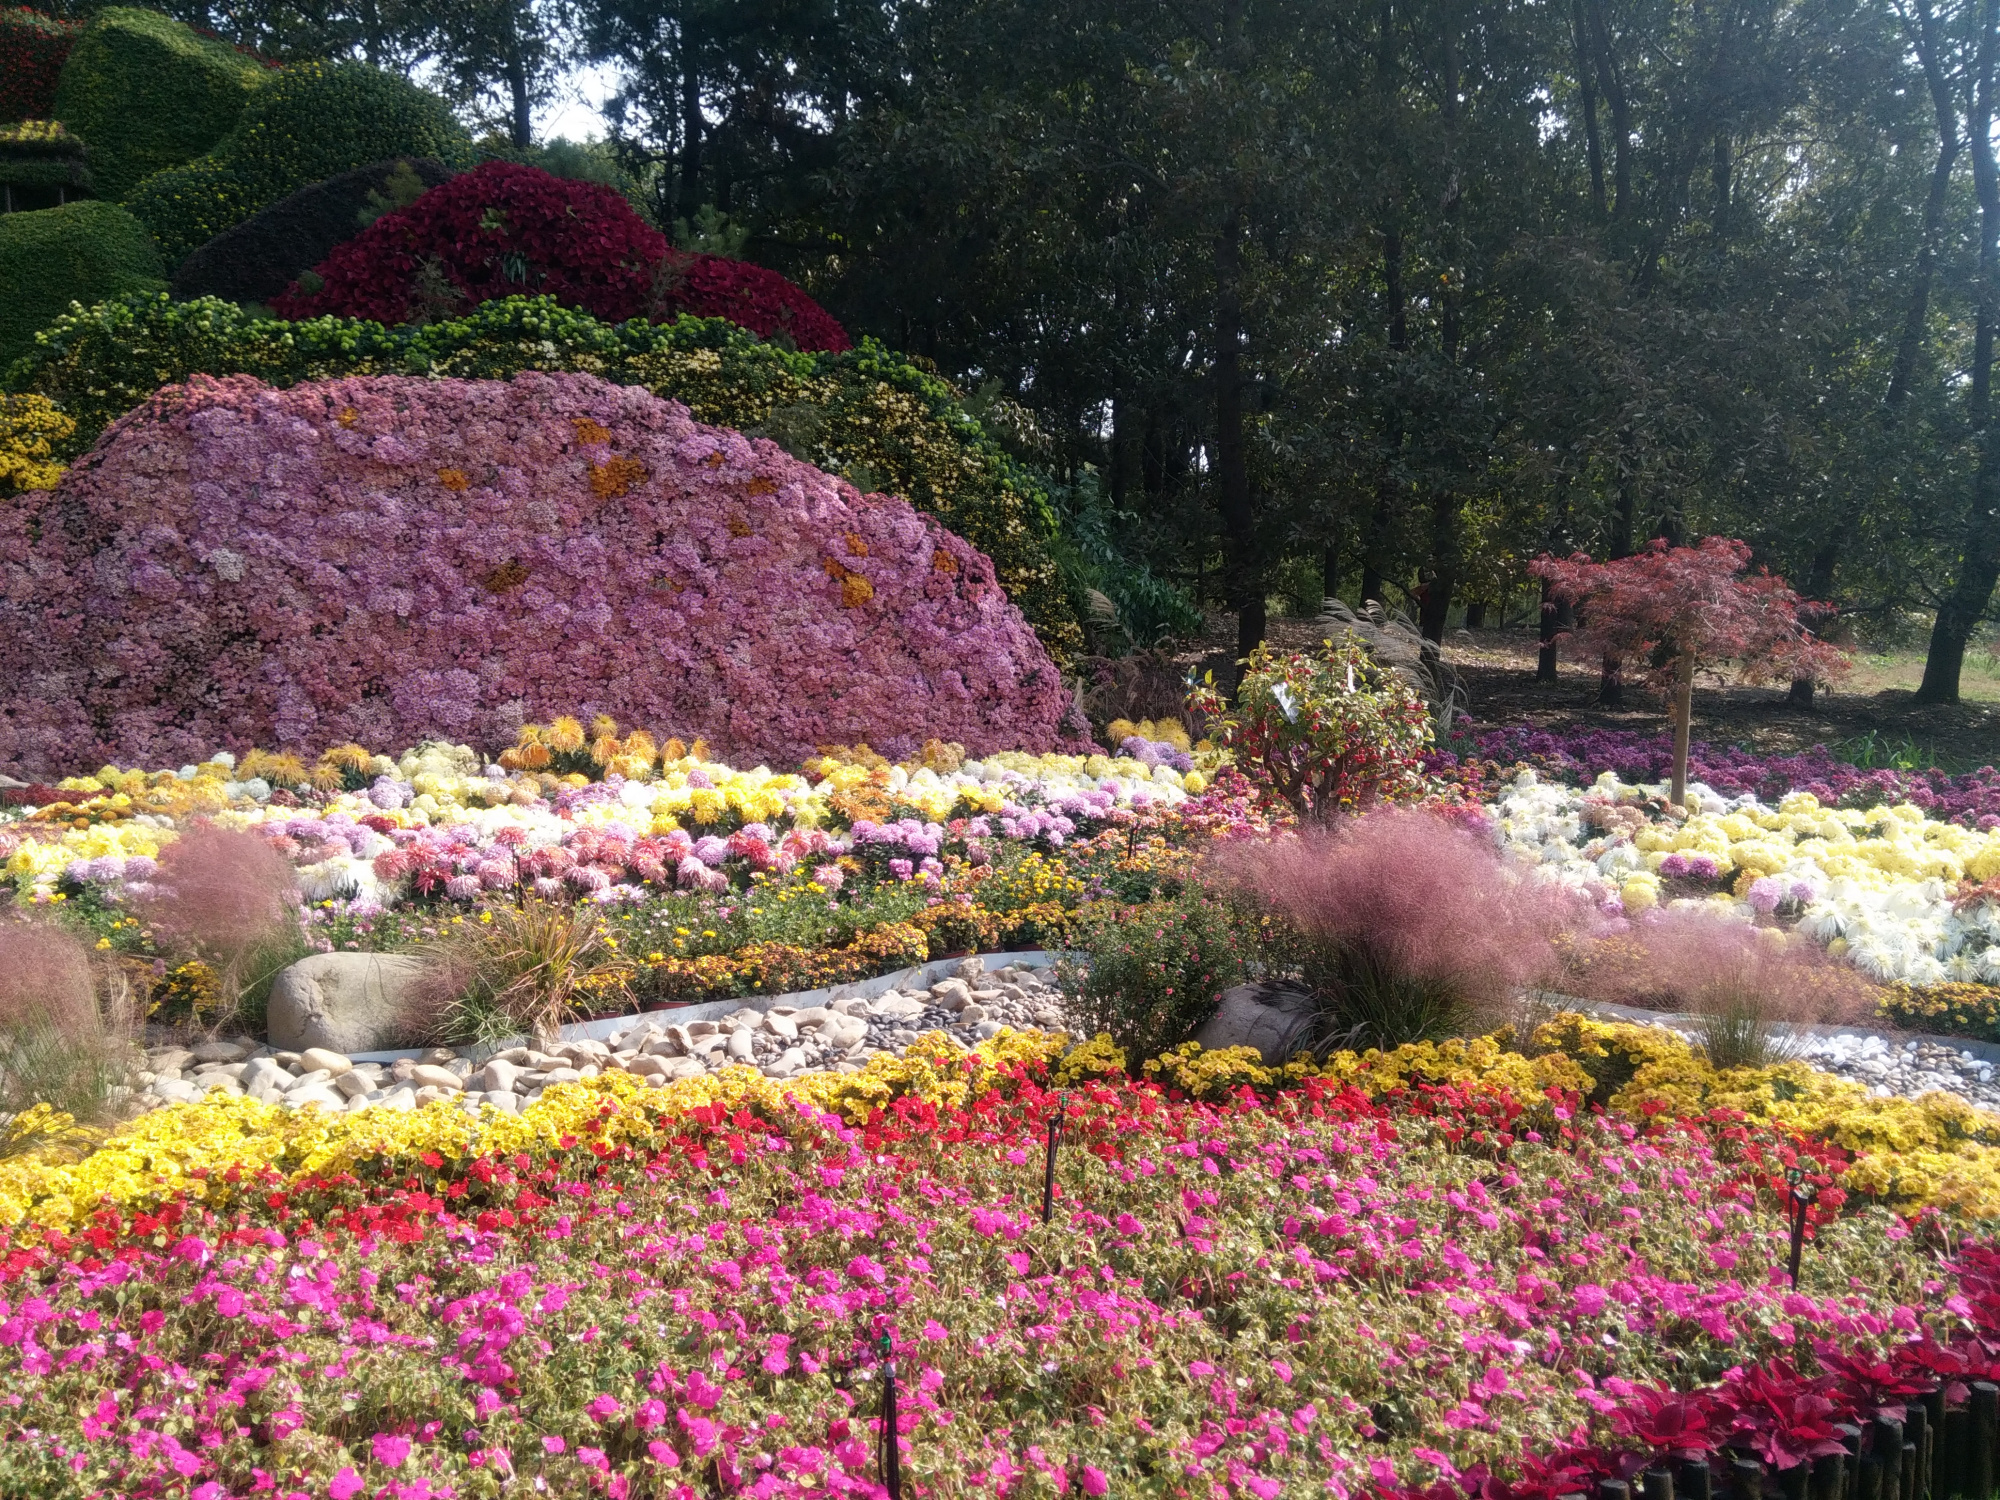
1909,1068
783,1042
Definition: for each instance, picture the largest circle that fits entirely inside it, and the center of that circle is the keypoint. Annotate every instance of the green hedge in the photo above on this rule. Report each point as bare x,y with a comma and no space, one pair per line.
38,157
309,123
866,413
81,252
147,93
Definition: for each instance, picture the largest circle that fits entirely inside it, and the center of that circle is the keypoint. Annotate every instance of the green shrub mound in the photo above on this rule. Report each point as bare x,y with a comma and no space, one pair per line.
41,166
865,412
309,123
81,252
147,93
258,259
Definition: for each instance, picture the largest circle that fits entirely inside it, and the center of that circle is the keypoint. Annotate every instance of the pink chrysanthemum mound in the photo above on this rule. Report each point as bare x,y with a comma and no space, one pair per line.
382,559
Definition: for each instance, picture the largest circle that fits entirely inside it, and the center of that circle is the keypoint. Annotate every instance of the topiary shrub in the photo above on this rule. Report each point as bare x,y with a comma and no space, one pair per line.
147,93
311,122
81,252
713,286
41,166
33,48
500,230
388,559
864,413
505,229
259,258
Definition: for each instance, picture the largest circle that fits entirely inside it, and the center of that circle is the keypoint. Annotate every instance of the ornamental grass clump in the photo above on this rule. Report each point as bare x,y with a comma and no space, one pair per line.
521,971
1744,984
1406,929
231,900
63,1047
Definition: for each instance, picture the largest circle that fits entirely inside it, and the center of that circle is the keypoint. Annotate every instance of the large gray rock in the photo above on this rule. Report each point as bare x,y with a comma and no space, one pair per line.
345,1002
1274,1020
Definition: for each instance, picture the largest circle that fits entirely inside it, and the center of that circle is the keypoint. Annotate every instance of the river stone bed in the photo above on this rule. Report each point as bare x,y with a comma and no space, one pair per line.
783,1042
1908,1068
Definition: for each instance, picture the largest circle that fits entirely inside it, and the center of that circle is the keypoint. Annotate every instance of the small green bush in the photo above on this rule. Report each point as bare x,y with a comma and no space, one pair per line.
147,93
1156,971
311,122
865,412
80,252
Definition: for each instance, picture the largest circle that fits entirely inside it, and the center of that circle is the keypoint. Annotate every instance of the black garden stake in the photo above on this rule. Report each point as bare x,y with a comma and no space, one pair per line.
892,1455
1049,1167
1798,1203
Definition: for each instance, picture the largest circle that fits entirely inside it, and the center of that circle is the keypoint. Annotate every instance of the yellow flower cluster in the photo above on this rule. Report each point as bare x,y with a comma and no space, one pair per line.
189,1148
1878,846
31,429
1935,1151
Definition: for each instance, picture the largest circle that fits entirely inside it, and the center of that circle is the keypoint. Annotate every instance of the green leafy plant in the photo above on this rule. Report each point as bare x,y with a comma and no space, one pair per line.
1152,975
1329,732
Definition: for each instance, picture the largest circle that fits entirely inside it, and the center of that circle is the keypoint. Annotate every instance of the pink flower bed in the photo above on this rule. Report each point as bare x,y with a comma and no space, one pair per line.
384,558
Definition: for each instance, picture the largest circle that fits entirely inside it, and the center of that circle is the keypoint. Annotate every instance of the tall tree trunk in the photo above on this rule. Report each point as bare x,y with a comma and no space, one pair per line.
1586,83
1556,617
1375,545
523,133
693,127
1445,503
1979,564
1612,79
1243,578
1624,532
1683,716
1916,312
1375,539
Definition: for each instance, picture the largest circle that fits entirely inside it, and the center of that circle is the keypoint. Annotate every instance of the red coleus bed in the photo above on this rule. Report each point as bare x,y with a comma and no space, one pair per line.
507,230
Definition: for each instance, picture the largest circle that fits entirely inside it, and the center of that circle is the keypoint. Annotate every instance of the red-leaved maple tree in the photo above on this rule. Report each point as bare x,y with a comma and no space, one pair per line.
1686,609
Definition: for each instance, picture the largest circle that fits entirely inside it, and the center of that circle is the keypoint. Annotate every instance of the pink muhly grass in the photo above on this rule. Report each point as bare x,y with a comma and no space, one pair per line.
1408,928
58,1045
1740,979
231,898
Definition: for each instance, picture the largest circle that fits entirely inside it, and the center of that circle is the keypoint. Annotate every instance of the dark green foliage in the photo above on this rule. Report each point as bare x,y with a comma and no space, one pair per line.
81,252
866,412
257,259
1123,603
310,123
146,93
1156,972
41,166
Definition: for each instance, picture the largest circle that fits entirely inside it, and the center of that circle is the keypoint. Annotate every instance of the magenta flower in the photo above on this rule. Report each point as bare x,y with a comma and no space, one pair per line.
390,1449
